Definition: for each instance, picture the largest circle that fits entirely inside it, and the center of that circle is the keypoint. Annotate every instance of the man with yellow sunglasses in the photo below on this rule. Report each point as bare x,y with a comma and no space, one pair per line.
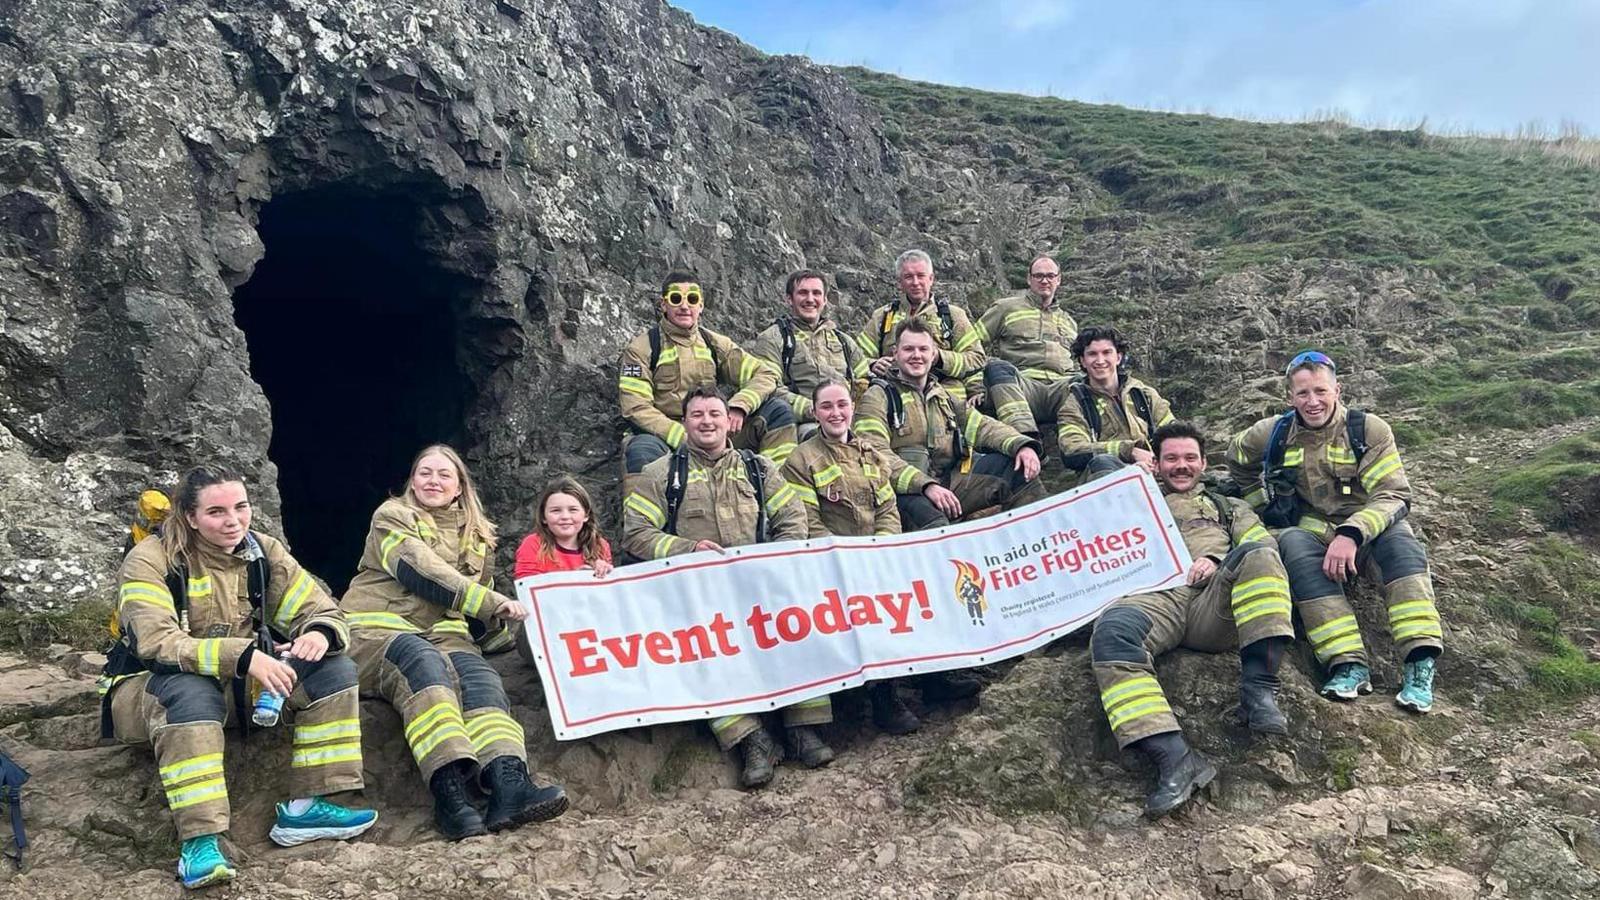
661,365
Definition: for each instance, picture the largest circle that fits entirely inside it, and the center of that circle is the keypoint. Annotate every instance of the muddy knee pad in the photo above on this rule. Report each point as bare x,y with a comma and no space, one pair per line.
187,697
1119,636
1302,557
1103,463
325,677
422,665
917,513
774,413
998,371
1398,553
641,450
1236,557
480,683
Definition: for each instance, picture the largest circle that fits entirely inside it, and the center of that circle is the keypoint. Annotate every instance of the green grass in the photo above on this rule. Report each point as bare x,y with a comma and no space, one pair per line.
1558,671
82,627
1541,483
1343,757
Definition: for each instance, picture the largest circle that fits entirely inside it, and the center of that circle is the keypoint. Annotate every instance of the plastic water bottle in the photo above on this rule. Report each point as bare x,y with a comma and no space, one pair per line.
268,707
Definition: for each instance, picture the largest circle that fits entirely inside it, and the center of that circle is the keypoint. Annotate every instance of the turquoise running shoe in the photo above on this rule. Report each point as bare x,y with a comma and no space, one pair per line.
322,820
1416,686
1349,681
201,863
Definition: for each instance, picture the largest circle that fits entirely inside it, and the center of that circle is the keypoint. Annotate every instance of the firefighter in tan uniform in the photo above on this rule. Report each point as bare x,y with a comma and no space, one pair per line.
1344,493
985,462
1029,342
423,573
720,506
1237,595
1105,420
960,351
847,487
805,348
187,641
675,356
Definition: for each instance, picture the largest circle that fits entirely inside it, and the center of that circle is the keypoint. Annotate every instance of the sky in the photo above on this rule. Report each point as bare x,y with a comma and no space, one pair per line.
1488,66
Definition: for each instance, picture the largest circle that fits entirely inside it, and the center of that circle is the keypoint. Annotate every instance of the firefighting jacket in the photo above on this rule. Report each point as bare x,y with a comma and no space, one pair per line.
1037,341
719,504
651,391
218,606
821,353
937,435
1122,425
418,573
1337,490
961,352
847,487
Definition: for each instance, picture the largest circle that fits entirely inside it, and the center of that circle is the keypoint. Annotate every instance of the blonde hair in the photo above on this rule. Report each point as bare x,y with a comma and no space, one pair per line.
589,540
178,537
476,525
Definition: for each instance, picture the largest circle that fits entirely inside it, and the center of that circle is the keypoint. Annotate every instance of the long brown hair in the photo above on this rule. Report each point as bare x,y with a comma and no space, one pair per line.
178,537
589,540
476,525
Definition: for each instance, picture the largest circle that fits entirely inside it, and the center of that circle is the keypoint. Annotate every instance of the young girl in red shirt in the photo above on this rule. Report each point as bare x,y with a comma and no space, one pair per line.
564,536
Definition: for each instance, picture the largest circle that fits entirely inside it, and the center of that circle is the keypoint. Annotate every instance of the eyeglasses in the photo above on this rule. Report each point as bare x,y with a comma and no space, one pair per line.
1310,356
1045,276
690,295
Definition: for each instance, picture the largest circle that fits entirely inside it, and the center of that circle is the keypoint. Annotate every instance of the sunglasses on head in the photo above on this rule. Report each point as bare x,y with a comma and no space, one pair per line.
1310,356
688,295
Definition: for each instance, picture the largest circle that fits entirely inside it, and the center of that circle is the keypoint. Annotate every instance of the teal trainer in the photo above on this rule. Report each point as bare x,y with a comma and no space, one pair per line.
1416,686
322,820
1349,681
201,863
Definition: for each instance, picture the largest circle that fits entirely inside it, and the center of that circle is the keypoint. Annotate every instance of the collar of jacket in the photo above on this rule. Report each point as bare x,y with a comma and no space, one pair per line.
1123,383
1167,491
1334,425
706,458
677,333
800,324
215,559
905,304
447,519
1039,301
849,439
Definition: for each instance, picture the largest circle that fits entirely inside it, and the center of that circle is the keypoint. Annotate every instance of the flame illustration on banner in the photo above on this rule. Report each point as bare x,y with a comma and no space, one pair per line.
969,590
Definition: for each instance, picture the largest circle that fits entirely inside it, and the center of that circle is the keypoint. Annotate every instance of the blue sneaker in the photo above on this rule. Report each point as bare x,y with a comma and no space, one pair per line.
1416,686
1348,681
322,820
201,863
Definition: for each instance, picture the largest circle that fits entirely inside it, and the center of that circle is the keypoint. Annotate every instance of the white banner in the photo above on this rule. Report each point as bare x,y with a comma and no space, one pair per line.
764,626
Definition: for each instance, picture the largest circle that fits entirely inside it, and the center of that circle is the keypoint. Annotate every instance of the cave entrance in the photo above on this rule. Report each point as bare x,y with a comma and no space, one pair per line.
353,327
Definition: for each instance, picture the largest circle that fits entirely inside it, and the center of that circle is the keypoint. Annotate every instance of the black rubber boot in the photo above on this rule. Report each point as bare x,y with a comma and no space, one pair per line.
760,755
452,811
1258,687
1180,772
889,712
937,687
513,798
808,747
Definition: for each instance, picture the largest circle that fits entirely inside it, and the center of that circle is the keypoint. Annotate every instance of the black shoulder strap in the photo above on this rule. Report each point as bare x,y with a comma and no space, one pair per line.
655,346
897,407
1355,427
1224,514
711,348
677,483
1141,405
848,347
1091,412
883,326
1278,442
947,323
178,587
758,480
786,329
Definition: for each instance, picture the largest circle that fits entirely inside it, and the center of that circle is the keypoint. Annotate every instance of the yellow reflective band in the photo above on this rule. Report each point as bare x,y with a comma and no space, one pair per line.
1066,431
805,493
145,592
472,599
956,390
637,386
701,351
451,626
193,767
1041,374
1019,316
661,546
779,499
872,426
1373,519
1351,644
391,541
884,493
903,481
981,330
425,745
1165,420
326,756
326,731
1266,606
1294,456
963,343
869,470
723,723
1256,533
1383,468
385,620
651,512
1011,408
1410,609
443,712
798,404
675,435
204,792
867,345
482,742
1332,628
487,721
1417,630
289,605
424,530
1120,693
1341,455
1155,706
1267,584
828,475
779,453
747,369
200,587
971,431
207,656
823,702
668,355
1256,497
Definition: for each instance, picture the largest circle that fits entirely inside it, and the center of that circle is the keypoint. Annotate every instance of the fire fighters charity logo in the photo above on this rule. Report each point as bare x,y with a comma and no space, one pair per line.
969,590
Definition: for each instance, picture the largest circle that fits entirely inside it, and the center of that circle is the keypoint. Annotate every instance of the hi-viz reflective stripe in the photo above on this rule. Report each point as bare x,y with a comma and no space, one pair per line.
902,482
1315,525
390,541
780,498
1133,699
1255,533
1019,316
200,587
451,626
386,620
312,745
1042,374
194,767
883,493
1374,520
195,794
751,399
424,530
798,404
804,491
964,342
472,599
1256,498
1335,636
1341,454
779,453
1012,408
662,545
327,755
208,656
1264,596
668,355
1414,618
651,512
327,731
971,430
437,724
748,368
872,426
637,386
1294,456
1166,419
981,330
675,434
147,592
484,728
1065,431
1387,465
292,600
701,351
828,475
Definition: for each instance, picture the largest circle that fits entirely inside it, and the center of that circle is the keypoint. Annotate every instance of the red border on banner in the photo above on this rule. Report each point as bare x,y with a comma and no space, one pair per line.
907,540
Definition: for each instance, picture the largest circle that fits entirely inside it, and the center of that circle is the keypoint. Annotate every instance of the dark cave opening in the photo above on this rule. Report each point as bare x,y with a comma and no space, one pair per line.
353,330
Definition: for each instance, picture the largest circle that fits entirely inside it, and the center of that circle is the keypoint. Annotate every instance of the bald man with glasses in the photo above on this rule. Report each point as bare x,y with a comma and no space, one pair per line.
1029,339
